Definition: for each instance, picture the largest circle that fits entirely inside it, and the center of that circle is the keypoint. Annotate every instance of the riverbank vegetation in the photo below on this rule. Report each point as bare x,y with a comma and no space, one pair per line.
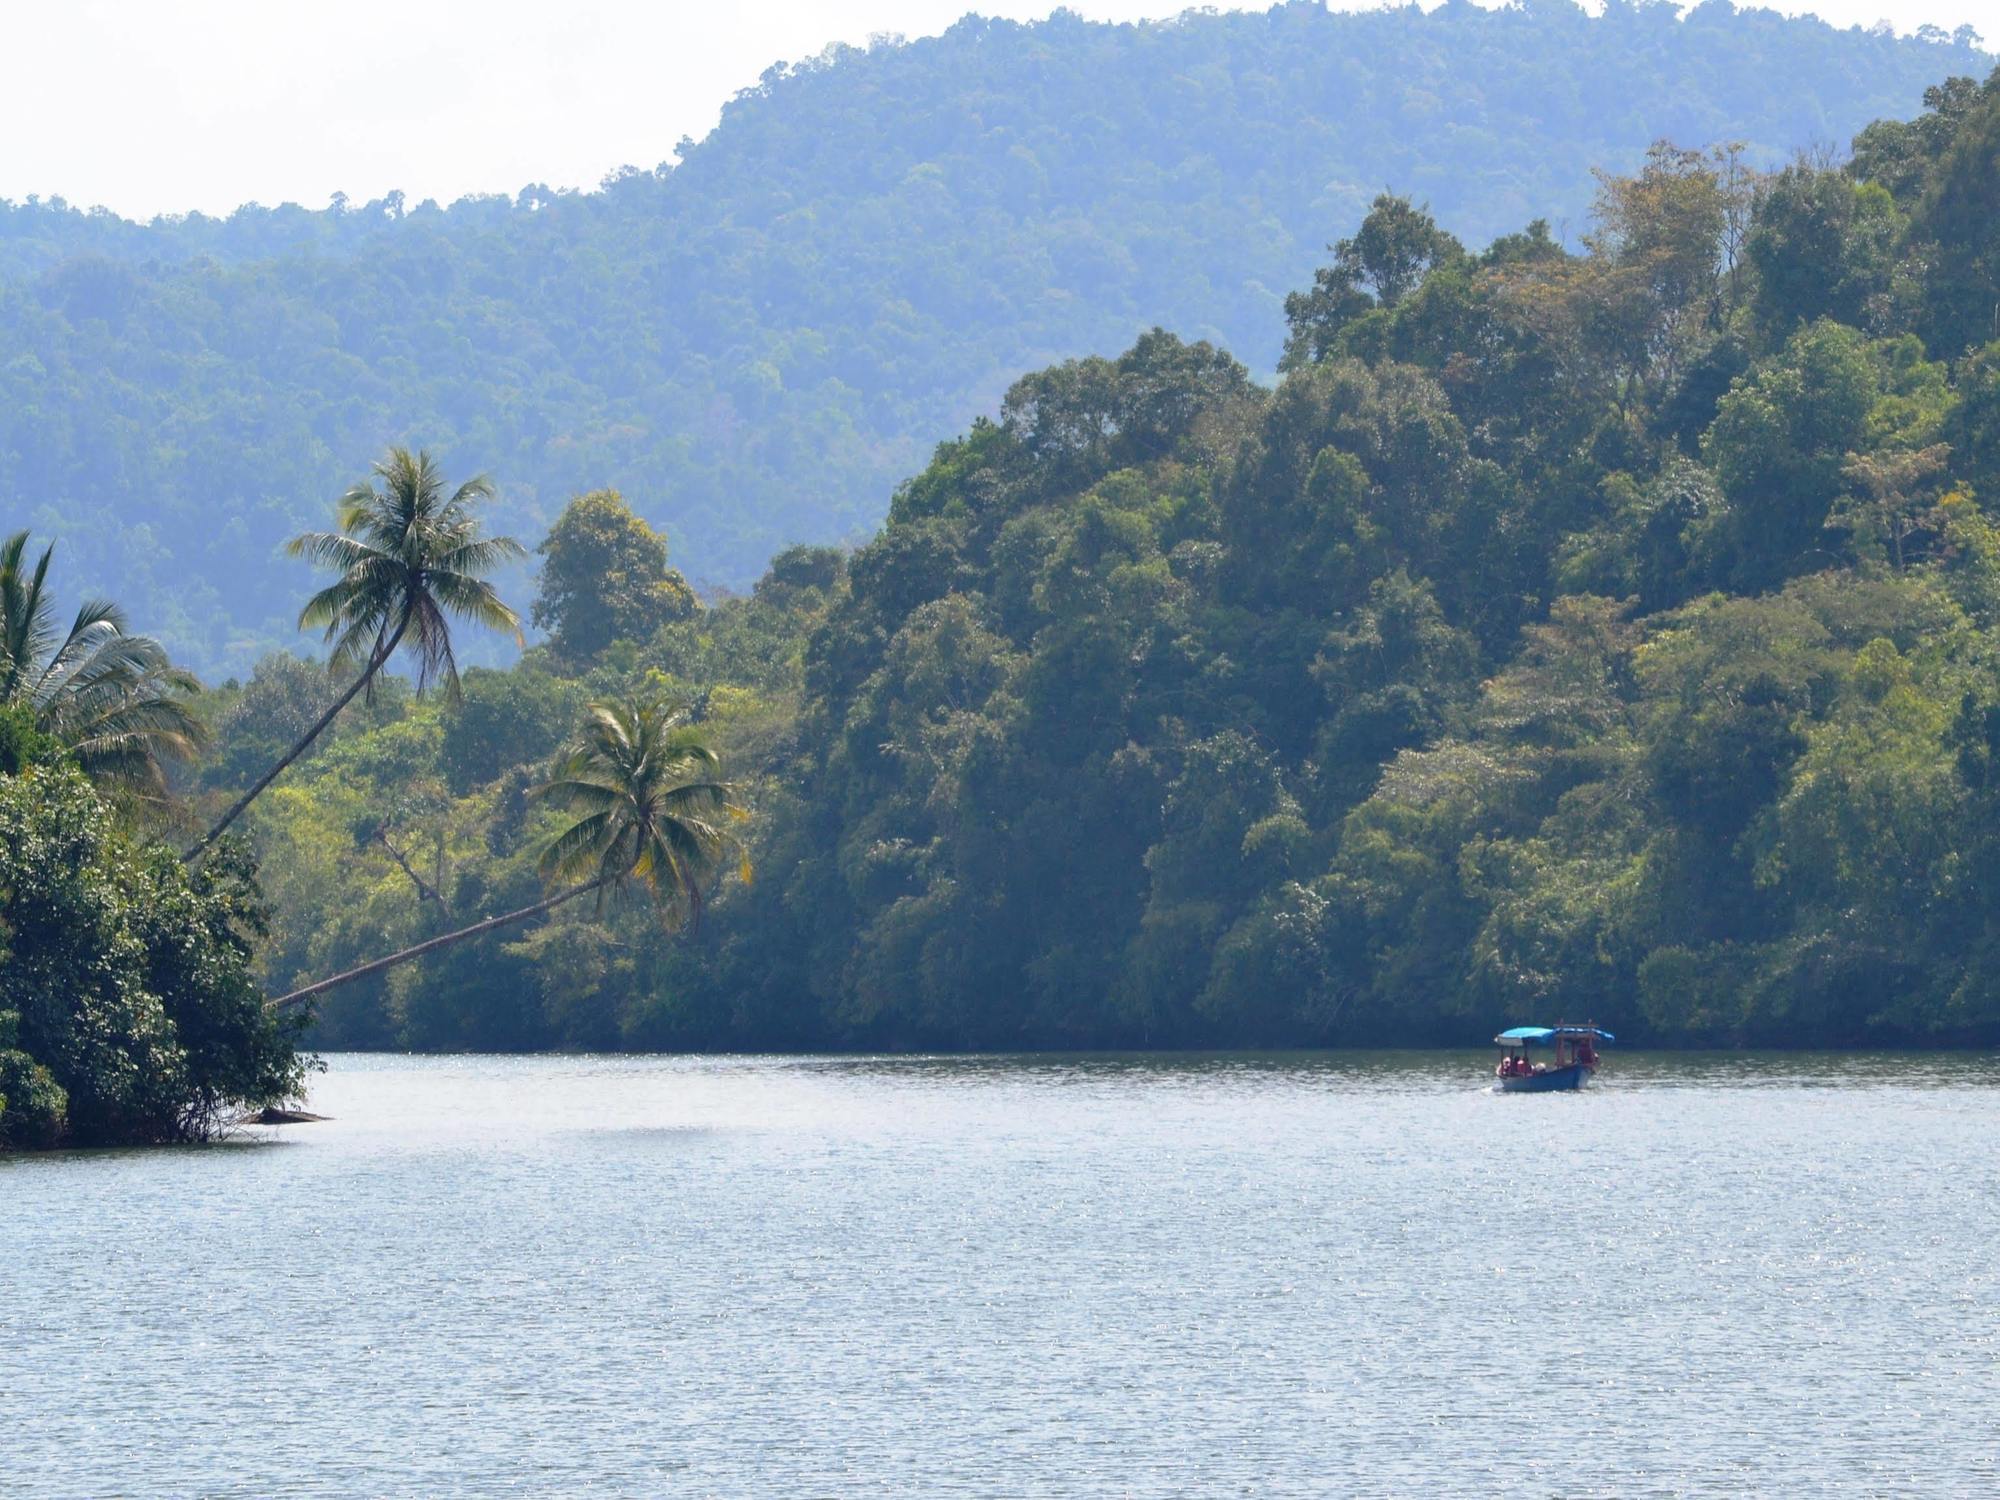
1608,631
1585,633
129,1005
130,1012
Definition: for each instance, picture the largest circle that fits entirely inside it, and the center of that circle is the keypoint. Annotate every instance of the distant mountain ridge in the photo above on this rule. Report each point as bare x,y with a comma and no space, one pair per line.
755,344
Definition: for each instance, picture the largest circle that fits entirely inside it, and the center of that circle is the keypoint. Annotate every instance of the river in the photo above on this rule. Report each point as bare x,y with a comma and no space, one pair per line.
1335,1274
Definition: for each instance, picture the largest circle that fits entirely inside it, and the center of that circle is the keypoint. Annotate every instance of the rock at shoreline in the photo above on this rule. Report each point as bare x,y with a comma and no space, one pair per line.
272,1115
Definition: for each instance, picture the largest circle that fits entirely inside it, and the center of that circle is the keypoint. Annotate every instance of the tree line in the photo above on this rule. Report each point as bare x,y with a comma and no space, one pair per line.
1601,631
128,1007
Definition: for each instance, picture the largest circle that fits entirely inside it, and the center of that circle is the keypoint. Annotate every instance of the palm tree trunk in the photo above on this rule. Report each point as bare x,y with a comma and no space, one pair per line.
432,945
375,663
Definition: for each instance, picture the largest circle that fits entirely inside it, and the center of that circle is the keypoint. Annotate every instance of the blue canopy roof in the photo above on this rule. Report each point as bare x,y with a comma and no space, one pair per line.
1523,1036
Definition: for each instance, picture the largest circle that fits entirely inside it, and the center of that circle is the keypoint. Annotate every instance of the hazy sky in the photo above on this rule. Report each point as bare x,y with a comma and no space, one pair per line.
153,107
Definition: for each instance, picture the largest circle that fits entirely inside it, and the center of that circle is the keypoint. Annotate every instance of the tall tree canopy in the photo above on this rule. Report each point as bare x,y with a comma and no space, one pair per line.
605,578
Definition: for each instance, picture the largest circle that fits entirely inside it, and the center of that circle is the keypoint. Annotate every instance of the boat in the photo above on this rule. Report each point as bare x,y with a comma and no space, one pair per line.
1574,1063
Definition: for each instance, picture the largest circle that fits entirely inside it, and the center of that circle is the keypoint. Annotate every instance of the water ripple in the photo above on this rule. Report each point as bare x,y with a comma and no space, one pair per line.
1299,1275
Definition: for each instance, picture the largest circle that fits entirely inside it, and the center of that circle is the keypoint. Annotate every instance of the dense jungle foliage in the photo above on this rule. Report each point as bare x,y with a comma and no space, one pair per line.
1608,632
130,1012
755,342
129,1009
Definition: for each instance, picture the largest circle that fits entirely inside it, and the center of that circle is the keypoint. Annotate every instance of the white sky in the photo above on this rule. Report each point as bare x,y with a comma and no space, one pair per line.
151,107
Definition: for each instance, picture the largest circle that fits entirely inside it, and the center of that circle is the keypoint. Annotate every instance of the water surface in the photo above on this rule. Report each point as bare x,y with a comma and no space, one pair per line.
1293,1275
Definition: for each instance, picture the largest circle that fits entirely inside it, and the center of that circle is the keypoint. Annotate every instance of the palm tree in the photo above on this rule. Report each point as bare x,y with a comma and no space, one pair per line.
112,697
409,555
649,813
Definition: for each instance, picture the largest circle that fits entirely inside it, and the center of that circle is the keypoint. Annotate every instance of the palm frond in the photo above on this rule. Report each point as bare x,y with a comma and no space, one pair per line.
429,639
577,794
475,489
94,611
333,549
115,660
114,698
170,720
28,619
39,688
128,762
578,849
367,592
473,599
357,648
477,554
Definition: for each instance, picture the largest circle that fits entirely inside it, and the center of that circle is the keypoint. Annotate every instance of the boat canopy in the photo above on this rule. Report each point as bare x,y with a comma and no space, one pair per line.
1541,1036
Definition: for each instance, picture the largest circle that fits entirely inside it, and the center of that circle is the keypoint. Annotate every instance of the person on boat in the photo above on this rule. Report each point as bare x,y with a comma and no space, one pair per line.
1586,1053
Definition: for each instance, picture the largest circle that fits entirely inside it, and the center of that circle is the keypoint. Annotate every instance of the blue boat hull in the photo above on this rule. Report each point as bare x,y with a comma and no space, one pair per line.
1572,1077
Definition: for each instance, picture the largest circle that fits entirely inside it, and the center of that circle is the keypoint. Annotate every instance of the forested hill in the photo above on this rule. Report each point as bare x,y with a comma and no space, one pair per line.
1605,633
755,343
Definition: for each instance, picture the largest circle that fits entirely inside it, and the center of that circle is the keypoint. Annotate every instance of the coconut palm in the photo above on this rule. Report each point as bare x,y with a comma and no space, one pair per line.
650,814
112,697
648,802
409,556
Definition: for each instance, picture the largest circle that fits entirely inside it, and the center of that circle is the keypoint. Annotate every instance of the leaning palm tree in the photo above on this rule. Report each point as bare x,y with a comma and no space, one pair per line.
409,555
111,697
650,814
